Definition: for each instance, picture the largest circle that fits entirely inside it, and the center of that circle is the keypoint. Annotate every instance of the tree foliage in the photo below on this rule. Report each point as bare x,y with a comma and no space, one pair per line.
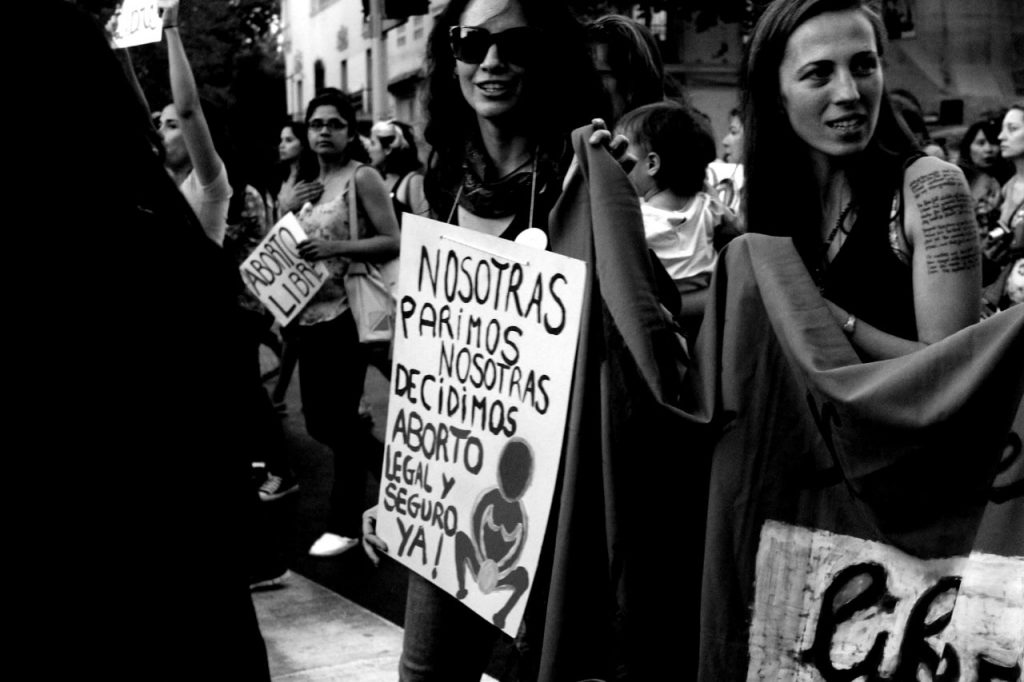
233,50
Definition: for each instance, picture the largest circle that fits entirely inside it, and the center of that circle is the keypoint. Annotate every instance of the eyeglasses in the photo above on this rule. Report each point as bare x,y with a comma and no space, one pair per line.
470,44
332,124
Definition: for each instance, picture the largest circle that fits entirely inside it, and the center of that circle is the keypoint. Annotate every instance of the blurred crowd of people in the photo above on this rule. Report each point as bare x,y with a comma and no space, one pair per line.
817,150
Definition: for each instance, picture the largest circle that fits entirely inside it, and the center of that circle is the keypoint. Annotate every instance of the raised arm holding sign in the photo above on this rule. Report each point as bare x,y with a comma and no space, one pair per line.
192,159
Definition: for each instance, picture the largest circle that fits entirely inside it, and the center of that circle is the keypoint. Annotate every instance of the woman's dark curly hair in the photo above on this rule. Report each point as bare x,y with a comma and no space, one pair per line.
562,93
775,171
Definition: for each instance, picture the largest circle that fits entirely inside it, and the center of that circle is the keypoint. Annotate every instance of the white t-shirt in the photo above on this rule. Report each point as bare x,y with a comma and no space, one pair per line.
684,240
209,203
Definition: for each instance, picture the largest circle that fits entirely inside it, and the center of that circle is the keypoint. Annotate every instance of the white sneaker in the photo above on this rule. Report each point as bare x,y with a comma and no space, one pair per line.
331,544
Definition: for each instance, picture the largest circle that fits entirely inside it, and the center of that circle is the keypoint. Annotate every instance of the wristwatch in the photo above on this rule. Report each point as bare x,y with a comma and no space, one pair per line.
850,325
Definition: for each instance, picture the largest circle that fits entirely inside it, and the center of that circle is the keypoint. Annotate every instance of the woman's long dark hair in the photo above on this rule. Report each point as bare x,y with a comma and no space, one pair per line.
309,167
781,196
562,93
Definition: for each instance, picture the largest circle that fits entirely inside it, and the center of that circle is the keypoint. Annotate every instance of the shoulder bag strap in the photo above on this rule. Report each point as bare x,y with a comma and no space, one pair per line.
353,209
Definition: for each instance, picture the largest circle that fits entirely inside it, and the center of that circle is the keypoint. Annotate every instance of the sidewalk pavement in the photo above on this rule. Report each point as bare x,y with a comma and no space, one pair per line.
315,635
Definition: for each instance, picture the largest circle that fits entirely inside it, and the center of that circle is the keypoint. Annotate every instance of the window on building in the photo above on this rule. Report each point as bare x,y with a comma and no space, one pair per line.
400,40
344,75
318,76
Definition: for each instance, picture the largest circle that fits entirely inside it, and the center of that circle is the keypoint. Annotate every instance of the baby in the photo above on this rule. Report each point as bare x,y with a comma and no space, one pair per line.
685,226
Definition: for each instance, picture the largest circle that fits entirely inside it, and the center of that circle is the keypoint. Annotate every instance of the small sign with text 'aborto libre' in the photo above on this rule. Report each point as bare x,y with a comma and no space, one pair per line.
278,275
485,345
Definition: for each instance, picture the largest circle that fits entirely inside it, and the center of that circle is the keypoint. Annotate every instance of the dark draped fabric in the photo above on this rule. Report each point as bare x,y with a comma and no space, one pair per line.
131,391
711,495
629,495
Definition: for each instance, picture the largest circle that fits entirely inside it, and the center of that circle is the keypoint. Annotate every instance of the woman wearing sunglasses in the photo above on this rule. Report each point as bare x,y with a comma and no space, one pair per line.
508,80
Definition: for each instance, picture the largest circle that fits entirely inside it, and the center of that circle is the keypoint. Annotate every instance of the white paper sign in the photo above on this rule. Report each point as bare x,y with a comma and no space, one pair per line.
485,346
137,22
831,606
278,276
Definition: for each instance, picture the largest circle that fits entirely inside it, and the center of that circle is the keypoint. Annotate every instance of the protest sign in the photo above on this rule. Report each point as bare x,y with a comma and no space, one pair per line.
278,276
137,22
484,351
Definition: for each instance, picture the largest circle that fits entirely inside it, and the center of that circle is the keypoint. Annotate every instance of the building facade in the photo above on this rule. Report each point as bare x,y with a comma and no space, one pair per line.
326,43
960,59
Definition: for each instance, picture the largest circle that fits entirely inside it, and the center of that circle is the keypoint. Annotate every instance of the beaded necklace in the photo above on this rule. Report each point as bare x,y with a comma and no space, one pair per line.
839,226
819,271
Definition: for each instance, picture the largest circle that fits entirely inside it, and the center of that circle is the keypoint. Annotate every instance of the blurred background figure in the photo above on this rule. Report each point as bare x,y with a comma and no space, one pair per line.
1004,246
393,152
295,184
979,148
297,172
732,143
629,63
725,177
987,195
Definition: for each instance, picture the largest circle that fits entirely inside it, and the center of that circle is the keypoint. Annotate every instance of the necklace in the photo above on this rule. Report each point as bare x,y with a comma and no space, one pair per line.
843,215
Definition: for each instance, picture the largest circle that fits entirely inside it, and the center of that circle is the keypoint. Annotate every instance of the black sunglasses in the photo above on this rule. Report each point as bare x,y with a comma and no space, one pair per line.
471,44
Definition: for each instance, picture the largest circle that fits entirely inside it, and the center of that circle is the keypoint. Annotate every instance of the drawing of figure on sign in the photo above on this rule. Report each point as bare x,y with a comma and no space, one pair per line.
499,531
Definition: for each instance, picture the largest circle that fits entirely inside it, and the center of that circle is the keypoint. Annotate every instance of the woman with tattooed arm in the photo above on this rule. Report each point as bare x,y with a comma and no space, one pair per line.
887,233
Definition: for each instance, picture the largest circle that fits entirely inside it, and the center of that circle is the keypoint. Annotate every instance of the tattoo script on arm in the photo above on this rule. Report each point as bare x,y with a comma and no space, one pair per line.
947,223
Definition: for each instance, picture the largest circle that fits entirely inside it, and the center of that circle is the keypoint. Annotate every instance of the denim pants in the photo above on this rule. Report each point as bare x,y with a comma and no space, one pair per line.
443,640
332,370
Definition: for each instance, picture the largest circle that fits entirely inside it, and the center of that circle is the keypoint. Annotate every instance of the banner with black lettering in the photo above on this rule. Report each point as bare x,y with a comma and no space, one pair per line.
866,519
483,363
278,276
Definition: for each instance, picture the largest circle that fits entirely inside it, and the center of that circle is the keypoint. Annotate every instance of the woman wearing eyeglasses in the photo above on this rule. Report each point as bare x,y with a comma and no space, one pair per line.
332,362
508,80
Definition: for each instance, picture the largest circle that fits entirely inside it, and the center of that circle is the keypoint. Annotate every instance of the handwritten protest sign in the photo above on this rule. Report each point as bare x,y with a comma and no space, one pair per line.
278,276
483,361
137,22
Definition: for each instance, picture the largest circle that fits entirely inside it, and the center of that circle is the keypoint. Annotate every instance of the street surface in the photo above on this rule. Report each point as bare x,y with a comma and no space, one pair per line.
296,521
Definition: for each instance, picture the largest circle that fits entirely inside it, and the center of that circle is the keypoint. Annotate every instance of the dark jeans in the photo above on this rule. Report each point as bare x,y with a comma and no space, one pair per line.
443,640
332,370
266,442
